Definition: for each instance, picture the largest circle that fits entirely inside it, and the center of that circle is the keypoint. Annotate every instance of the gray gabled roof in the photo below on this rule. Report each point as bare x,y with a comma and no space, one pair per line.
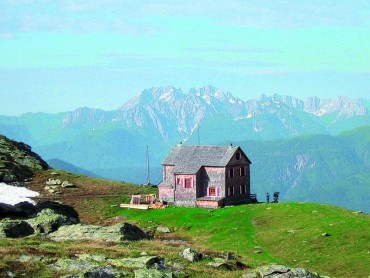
188,159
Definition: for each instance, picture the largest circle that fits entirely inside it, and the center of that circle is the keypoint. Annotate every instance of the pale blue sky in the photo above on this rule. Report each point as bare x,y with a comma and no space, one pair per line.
60,55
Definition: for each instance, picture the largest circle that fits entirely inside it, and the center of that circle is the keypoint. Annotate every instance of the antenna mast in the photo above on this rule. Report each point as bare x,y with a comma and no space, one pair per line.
147,166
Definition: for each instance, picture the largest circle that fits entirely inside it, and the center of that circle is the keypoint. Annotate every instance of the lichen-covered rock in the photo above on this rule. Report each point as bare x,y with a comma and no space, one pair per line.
281,271
48,221
162,229
140,262
191,255
17,161
61,209
153,273
15,228
67,184
228,264
114,233
54,182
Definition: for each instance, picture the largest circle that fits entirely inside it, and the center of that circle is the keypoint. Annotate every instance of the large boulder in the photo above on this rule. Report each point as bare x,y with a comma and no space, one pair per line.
114,233
48,221
61,209
22,209
281,271
49,216
15,228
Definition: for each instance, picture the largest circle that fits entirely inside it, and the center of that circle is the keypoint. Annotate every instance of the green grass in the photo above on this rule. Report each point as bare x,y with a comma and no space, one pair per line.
287,233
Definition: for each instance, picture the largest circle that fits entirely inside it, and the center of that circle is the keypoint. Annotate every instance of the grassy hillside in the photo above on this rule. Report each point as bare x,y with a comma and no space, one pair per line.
287,233
258,234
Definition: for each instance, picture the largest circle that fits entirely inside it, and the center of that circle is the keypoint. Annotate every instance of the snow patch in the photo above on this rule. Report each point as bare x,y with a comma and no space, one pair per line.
207,98
166,96
12,195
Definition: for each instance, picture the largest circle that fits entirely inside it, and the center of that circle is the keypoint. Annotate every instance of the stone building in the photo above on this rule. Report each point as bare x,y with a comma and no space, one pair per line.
205,176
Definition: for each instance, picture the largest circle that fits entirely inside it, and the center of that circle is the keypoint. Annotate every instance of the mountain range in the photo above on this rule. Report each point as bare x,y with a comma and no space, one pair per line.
296,146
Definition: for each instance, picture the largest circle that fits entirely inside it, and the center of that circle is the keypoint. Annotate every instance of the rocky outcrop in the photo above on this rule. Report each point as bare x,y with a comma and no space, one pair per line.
61,209
48,221
18,161
281,271
15,228
45,217
114,233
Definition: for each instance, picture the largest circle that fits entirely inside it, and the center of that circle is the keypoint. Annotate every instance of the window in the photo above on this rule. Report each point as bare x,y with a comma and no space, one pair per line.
188,183
231,173
185,182
230,191
238,156
212,191
243,189
179,181
242,171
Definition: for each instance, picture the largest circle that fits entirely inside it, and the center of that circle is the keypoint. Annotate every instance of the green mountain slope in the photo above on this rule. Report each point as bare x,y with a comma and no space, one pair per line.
284,233
325,169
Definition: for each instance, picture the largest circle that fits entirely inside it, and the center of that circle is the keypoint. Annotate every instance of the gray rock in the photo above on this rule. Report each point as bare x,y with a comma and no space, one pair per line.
48,221
163,229
153,273
15,228
220,263
140,262
191,255
54,182
114,233
27,259
104,272
223,263
88,257
58,208
281,271
67,184
74,265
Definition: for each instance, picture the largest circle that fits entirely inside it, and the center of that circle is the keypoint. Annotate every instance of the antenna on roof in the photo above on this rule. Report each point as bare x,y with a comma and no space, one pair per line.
198,133
231,144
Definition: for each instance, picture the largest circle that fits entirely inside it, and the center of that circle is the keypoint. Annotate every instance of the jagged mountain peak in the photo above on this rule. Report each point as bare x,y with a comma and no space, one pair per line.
152,95
344,106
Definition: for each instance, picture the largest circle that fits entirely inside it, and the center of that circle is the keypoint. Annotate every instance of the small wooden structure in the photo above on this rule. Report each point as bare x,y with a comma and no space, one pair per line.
143,199
134,206
146,201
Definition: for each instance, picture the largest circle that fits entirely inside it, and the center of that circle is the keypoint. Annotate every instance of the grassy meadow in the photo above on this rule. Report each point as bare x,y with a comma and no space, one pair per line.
258,234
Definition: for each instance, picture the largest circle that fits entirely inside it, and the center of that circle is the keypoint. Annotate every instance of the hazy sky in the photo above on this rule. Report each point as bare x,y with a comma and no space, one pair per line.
59,55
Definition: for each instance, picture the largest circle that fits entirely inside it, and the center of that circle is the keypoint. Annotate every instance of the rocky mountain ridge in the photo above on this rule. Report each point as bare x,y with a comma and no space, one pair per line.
18,161
172,115
175,115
